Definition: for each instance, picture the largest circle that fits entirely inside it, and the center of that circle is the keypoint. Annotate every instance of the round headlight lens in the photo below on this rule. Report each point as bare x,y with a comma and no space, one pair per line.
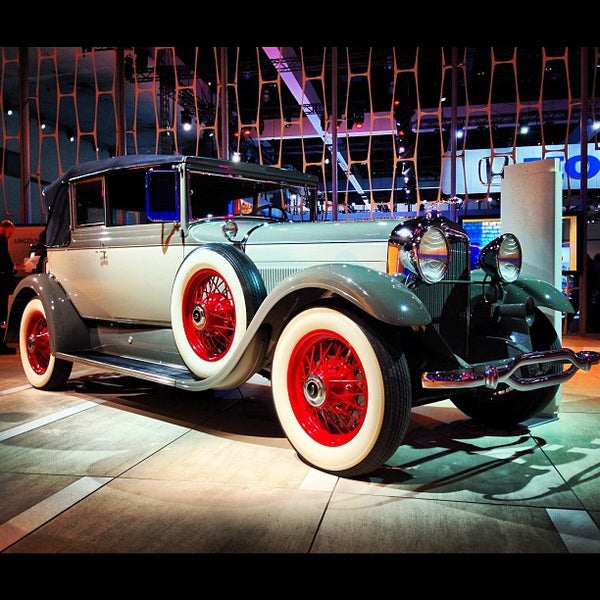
433,255
509,258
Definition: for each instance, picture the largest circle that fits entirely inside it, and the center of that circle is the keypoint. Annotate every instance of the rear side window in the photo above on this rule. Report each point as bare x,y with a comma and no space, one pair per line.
89,202
126,197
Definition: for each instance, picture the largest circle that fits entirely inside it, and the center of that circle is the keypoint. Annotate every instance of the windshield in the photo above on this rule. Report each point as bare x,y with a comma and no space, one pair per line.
218,195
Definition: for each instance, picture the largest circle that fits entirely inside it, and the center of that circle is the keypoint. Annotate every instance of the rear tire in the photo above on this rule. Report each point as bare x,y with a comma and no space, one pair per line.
42,369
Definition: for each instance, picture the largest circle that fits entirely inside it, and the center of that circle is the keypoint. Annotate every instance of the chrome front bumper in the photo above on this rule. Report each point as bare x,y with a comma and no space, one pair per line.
490,375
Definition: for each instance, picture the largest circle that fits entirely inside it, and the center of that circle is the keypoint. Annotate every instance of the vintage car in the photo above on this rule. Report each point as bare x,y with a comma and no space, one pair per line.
199,273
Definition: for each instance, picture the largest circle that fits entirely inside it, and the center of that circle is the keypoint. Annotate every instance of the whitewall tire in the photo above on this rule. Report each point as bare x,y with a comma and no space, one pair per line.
215,295
341,393
42,369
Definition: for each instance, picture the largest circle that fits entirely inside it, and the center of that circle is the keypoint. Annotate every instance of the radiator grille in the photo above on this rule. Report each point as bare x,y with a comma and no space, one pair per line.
272,276
448,302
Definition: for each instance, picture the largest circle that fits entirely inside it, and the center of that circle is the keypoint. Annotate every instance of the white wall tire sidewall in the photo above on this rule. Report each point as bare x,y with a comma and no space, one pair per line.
328,458
35,379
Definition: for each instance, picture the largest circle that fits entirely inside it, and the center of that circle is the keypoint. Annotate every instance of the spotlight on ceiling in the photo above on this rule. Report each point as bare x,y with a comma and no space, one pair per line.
186,119
359,120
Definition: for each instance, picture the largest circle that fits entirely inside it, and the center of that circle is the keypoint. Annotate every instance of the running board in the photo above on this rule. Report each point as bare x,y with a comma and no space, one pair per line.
165,374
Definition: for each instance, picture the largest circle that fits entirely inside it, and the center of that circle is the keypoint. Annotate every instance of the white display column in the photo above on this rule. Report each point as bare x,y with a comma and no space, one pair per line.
531,208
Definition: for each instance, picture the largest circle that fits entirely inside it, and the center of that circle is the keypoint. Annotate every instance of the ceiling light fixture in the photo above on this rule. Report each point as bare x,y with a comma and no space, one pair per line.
186,119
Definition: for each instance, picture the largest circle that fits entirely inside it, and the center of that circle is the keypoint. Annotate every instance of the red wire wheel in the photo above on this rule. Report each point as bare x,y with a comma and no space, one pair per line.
342,391
327,387
42,369
38,342
208,311
216,292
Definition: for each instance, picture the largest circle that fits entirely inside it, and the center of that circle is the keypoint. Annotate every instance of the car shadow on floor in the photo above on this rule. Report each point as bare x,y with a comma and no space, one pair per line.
235,412
471,456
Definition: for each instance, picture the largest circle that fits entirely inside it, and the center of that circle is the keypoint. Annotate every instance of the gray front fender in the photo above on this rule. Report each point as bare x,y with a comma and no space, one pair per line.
68,332
382,296
542,292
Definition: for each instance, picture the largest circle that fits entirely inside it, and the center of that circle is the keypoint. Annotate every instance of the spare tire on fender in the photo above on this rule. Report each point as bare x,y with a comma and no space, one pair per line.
216,293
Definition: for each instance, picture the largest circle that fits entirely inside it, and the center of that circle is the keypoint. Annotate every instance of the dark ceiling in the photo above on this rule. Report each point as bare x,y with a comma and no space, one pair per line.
365,83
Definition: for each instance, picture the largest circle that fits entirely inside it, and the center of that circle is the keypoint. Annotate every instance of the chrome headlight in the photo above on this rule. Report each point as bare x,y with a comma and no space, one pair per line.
428,255
502,258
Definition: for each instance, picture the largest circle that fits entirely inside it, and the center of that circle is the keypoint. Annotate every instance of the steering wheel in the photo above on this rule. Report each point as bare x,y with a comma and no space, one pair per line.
271,211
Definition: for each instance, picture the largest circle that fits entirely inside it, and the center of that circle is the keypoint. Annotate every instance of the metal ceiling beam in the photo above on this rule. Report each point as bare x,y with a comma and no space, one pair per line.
307,98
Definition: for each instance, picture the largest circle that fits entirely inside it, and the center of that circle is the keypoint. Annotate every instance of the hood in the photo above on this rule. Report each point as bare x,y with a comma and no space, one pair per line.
256,231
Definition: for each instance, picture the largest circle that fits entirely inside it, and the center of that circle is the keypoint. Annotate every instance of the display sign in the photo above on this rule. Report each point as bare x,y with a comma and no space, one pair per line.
483,171
19,245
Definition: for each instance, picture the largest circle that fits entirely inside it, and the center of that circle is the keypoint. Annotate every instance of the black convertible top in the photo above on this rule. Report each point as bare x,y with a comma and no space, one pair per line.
58,223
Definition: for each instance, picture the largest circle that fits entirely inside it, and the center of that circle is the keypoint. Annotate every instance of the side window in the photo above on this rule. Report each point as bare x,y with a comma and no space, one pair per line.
162,195
125,197
89,202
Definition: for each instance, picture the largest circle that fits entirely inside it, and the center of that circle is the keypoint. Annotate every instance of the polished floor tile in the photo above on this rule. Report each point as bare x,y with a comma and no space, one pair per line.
112,465
414,525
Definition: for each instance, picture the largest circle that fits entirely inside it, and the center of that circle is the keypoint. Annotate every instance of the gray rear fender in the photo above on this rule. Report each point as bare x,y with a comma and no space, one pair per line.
68,332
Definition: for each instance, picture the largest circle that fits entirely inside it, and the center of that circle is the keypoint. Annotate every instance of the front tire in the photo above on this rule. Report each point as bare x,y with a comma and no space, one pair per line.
42,369
341,393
